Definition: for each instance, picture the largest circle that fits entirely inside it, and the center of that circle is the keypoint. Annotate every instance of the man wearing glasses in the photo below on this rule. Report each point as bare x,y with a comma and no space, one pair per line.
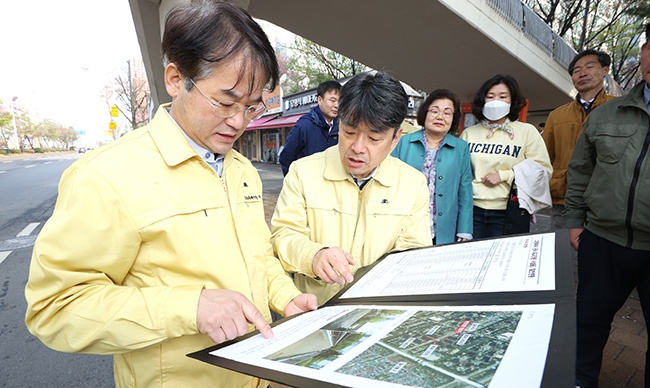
158,245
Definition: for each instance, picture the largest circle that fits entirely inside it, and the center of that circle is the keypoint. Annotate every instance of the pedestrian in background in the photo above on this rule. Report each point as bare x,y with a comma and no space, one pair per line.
608,213
158,245
497,144
344,208
316,130
588,70
445,162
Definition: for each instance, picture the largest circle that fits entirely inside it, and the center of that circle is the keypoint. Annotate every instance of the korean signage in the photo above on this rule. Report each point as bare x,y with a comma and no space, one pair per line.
300,102
273,100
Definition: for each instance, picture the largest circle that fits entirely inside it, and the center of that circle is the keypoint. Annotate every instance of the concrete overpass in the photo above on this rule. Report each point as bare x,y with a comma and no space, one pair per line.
428,44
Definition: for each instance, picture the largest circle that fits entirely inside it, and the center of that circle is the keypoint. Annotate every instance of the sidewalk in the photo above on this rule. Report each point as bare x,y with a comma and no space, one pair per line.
624,356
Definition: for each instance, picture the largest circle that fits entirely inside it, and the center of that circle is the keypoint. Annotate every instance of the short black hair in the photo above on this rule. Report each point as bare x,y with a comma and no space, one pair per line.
377,100
327,86
517,101
437,95
603,58
647,33
198,36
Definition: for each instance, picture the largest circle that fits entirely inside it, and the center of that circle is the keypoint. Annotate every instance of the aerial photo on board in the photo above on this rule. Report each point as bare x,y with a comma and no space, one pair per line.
429,349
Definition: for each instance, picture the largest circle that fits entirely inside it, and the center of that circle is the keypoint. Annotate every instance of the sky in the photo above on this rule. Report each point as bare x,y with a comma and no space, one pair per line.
57,55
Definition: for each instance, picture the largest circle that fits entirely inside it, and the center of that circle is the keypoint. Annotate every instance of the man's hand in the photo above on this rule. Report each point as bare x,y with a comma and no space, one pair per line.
224,314
332,265
492,179
300,304
574,237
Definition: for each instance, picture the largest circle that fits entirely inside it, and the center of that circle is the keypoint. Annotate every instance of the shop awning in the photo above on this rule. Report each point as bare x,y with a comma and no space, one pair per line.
255,124
279,122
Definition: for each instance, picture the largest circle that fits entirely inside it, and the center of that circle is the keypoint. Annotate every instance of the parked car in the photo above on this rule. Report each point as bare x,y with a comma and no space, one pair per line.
82,150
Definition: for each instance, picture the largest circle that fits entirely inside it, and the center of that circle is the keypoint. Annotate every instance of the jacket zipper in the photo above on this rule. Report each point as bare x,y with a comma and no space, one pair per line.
635,179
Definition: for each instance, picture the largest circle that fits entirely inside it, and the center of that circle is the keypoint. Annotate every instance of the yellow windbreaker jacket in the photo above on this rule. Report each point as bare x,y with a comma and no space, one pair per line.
140,227
321,206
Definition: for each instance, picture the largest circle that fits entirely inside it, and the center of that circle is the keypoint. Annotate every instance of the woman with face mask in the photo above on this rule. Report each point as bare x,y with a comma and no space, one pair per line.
498,143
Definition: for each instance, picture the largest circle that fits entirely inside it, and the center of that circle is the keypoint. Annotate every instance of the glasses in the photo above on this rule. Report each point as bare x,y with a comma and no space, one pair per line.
227,109
446,113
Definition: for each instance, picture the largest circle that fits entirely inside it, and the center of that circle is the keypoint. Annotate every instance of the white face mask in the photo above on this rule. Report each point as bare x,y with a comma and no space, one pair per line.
495,109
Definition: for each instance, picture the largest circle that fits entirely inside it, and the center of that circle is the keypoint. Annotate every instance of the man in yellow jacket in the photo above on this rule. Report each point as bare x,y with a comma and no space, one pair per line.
158,245
343,208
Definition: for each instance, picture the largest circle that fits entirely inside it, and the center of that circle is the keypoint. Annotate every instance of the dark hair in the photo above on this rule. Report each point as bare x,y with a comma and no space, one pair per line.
517,101
327,86
437,95
199,36
647,33
603,58
377,100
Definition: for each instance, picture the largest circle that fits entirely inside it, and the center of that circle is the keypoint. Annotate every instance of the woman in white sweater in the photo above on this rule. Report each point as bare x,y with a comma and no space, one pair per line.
496,144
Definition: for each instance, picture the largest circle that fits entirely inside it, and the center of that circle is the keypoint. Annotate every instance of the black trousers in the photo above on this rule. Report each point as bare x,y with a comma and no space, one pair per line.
607,274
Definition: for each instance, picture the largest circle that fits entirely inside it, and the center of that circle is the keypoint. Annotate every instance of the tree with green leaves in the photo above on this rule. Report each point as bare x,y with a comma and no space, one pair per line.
612,26
6,130
312,64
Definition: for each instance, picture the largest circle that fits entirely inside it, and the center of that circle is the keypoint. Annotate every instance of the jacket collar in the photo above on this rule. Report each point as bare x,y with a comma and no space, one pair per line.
635,97
318,119
599,100
334,170
171,142
417,137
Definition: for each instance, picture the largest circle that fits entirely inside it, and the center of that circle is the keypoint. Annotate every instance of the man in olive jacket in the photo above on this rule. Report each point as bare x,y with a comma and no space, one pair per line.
608,213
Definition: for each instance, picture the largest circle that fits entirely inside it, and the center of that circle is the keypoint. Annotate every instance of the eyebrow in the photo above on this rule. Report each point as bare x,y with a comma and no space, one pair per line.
231,93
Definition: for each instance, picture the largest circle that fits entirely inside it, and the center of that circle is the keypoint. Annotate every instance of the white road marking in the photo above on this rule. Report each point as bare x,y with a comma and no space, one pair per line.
48,162
30,166
3,256
28,229
7,161
2,172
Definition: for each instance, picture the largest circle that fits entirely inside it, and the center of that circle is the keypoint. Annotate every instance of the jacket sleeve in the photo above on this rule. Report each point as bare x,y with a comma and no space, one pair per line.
465,192
536,150
293,147
581,167
416,231
290,230
75,299
549,137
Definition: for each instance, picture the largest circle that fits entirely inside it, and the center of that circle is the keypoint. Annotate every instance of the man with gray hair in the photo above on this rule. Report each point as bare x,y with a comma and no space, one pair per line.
343,208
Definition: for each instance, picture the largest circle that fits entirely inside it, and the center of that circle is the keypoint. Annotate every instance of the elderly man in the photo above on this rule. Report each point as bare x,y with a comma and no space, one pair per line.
158,245
608,213
345,207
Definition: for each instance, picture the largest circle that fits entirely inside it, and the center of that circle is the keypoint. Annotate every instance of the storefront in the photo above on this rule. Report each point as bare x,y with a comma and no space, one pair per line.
264,138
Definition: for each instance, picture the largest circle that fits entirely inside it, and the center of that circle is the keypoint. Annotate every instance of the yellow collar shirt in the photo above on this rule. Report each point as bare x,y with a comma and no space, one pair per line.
321,206
140,227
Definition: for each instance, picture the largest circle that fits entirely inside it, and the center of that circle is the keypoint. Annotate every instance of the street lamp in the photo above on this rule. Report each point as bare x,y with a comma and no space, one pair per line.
13,120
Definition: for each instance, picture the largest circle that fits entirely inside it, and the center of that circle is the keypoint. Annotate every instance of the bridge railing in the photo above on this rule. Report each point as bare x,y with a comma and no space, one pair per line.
535,29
